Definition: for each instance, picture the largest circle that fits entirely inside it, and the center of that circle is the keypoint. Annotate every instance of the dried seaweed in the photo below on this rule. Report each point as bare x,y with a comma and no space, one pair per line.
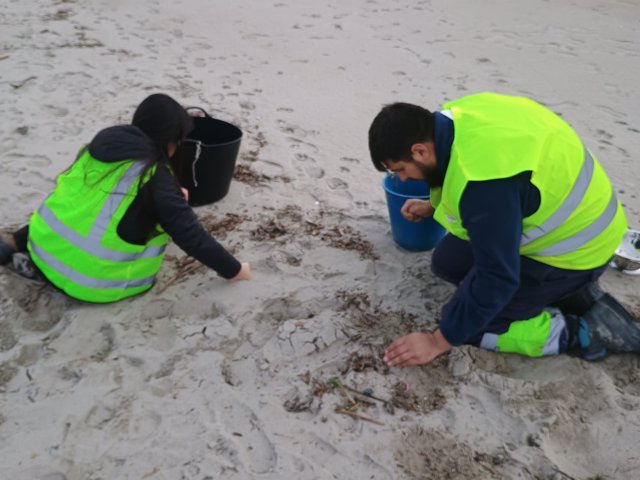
290,221
218,228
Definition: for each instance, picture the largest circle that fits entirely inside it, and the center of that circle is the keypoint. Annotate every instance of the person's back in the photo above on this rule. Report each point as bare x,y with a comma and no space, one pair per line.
73,237
499,136
100,235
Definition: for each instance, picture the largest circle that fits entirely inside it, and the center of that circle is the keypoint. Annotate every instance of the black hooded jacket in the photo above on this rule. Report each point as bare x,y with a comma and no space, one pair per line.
159,202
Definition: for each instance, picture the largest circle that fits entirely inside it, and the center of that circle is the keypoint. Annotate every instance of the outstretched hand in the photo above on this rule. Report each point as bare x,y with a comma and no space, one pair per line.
243,274
416,209
417,348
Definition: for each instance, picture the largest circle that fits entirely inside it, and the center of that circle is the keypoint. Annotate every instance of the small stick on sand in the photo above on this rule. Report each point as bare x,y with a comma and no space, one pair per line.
181,273
360,416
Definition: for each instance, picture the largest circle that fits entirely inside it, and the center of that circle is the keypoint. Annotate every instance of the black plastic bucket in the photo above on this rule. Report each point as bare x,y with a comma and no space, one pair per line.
206,160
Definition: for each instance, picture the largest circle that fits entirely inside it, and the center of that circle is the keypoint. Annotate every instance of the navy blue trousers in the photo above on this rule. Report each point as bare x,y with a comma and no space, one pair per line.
540,285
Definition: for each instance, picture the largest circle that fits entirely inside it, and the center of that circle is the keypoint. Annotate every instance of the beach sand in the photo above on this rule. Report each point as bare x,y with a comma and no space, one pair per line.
205,379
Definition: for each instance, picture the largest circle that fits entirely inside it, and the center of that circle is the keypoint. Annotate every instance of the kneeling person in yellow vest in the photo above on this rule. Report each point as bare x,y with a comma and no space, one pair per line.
532,222
100,236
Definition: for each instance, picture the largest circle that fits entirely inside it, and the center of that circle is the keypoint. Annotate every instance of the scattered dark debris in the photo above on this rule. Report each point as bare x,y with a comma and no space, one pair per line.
402,397
246,174
22,83
358,362
250,155
357,300
436,401
294,261
345,237
60,14
373,321
227,375
218,228
305,377
82,41
7,372
365,396
270,229
533,440
261,140
185,266
490,459
318,387
405,398
289,220
298,402
22,130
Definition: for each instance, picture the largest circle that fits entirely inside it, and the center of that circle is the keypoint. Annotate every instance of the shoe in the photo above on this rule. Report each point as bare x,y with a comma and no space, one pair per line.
627,256
6,251
25,267
580,301
607,328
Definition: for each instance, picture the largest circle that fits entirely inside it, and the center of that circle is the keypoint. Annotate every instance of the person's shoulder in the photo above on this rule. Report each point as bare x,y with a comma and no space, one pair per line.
163,178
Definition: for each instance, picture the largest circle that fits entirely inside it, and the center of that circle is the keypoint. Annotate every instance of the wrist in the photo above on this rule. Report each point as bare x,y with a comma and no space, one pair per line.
441,342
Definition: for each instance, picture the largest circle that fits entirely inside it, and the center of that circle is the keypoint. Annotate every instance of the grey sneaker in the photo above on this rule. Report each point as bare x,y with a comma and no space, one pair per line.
608,328
25,267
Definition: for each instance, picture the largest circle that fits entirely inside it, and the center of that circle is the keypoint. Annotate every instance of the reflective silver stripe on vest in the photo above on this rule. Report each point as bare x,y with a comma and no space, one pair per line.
570,203
565,210
114,199
84,281
585,235
558,325
91,243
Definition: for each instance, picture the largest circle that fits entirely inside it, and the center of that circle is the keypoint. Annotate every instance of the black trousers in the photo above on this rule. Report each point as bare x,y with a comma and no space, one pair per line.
541,285
21,237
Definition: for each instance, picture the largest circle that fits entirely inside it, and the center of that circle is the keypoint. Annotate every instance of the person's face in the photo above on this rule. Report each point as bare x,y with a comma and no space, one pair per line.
422,166
172,148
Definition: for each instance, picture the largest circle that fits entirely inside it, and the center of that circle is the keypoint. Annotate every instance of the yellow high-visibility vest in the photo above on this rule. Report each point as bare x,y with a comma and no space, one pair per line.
579,223
73,236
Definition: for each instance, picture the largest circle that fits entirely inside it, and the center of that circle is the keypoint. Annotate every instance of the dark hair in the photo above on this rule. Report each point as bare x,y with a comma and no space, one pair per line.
395,129
164,121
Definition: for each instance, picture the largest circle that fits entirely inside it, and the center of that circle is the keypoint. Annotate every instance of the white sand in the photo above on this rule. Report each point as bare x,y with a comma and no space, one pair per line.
191,380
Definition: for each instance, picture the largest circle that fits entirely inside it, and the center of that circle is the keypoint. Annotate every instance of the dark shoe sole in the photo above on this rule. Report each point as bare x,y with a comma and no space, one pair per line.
612,327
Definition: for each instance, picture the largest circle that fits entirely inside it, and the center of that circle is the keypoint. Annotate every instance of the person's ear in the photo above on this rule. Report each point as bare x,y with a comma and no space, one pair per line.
423,153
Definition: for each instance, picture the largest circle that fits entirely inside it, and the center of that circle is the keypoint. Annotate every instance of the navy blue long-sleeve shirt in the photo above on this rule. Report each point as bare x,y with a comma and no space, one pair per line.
491,212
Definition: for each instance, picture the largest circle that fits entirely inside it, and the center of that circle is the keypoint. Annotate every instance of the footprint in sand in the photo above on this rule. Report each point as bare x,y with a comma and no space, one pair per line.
303,157
39,161
315,172
251,442
443,454
7,372
39,307
330,462
57,111
337,184
349,159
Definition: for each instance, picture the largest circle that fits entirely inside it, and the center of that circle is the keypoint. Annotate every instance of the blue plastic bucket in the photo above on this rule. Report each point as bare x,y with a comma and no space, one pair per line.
416,236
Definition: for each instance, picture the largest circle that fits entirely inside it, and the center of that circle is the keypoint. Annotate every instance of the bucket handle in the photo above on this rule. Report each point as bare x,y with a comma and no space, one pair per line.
202,110
198,145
